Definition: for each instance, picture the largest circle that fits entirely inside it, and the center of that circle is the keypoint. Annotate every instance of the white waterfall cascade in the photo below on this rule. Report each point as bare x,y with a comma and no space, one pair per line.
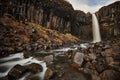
96,31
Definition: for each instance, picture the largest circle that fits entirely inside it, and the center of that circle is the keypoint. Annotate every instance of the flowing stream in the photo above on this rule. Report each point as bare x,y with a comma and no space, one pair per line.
9,62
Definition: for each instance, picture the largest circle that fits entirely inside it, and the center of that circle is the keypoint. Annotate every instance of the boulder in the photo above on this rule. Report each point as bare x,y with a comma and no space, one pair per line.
108,52
48,58
100,65
33,78
110,75
116,49
113,52
19,49
77,59
61,58
109,60
34,68
92,56
16,72
48,74
27,54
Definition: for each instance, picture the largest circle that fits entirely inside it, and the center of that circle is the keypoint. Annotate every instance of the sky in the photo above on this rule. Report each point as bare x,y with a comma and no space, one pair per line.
90,5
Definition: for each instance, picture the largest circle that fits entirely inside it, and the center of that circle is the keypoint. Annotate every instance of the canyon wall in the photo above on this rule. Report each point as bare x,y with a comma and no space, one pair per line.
53,14
82,26
109,20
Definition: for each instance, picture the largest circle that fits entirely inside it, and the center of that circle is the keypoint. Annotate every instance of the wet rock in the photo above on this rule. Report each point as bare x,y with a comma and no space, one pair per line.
77,59
48,58
115,66
16,72
92,56
9,50
110,75
109,60
48,74
95,77
34,68
19,49
100,65
4,78
87,70
108,52
116,49
33,78
46,47
61,58
74,75
27,54
113,52
103,53
88,65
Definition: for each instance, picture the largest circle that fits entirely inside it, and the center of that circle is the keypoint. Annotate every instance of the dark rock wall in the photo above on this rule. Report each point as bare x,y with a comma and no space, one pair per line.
109,20
82,26
53,14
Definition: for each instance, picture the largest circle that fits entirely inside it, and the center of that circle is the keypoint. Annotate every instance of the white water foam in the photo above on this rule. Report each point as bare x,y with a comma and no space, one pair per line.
65,49
18,55
10,64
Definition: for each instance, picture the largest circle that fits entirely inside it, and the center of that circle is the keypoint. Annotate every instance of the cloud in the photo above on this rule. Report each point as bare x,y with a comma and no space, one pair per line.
90,5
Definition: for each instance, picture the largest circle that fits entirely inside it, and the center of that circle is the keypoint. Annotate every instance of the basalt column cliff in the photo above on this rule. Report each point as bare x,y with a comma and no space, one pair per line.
53,14
109,20
82,26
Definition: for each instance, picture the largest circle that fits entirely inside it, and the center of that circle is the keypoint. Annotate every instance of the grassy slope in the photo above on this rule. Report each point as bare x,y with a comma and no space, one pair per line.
25,34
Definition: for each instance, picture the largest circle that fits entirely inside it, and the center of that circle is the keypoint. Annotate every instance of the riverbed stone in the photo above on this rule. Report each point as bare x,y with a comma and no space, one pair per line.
48,74
100,65
109,60
110,75
92,56
34,68
33,78
48,58
16,72
78,59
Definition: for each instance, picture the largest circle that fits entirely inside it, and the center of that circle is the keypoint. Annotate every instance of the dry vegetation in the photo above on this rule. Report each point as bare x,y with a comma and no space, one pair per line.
31,32
52,36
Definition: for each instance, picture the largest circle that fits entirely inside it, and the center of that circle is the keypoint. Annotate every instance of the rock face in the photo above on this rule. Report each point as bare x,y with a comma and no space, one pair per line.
16,72
53,14
82,26
109,20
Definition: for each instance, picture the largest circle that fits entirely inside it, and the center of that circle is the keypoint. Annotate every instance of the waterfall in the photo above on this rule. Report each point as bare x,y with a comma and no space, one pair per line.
96,31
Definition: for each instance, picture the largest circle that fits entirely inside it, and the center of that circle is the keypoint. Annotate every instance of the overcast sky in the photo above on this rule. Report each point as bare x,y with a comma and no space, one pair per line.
90,5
